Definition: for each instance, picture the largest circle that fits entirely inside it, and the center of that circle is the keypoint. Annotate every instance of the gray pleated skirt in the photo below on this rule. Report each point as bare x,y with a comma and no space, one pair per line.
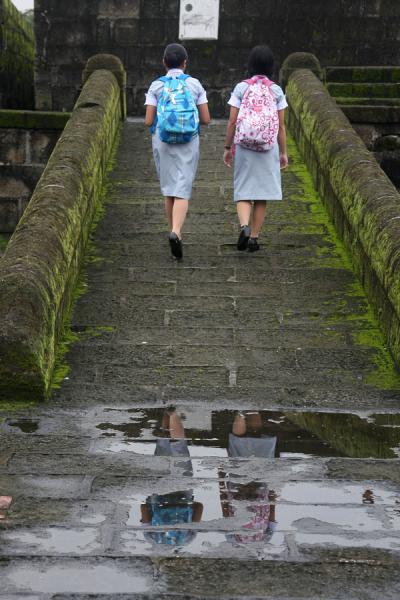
176,166
257,175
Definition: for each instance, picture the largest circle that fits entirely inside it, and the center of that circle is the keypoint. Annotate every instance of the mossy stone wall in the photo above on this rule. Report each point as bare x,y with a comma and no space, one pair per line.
39,269
361,200
339,32
17,55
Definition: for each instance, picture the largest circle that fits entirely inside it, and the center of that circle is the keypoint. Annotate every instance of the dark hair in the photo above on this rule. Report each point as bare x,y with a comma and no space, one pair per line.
175,55
261,61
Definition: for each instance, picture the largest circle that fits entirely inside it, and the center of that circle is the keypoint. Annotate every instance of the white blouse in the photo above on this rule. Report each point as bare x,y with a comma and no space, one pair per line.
198,92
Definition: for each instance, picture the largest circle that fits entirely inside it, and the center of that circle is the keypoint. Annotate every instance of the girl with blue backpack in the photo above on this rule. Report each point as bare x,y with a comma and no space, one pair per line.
176,104
256,140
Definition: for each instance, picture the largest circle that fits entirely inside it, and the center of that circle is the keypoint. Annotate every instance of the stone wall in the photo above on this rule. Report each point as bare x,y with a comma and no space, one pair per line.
363,203
27,139
40,267
346,32
17,51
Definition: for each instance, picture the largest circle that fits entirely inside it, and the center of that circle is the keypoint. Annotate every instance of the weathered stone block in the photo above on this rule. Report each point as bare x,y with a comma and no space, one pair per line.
299,60
126,32
129,9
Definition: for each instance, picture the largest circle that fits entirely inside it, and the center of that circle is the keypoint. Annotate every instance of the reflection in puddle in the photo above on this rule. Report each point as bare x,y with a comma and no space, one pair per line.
241,507
25,425
52,540
5,503
265,434
77,578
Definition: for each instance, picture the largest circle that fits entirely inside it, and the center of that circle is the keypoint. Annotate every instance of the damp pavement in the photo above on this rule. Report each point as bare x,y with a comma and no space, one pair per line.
225,427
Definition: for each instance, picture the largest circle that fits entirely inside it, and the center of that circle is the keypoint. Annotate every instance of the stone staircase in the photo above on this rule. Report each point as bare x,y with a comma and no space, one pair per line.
366,94
282,341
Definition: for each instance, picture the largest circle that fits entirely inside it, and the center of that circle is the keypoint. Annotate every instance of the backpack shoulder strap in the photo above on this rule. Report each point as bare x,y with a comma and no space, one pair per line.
184,76
164,79
263,80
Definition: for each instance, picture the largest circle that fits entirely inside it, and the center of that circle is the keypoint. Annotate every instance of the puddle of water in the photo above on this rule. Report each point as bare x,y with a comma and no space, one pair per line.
326,493
343,541
204,543
248,513
79,579
268,434
53,540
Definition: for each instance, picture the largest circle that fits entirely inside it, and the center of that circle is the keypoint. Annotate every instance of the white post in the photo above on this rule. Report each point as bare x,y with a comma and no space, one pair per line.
199,20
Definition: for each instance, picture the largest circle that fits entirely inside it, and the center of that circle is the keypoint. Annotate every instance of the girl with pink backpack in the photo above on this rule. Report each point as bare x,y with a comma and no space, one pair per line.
256,143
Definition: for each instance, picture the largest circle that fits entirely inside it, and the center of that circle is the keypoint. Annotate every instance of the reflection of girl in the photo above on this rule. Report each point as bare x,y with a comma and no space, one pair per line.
249,437
168,510
262,523
176,507
5,503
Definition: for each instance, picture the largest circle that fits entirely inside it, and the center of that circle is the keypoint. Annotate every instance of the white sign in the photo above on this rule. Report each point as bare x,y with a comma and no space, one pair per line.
199,20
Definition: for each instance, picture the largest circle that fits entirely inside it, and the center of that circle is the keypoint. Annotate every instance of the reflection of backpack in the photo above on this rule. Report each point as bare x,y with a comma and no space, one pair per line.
166,514
258,121
177,113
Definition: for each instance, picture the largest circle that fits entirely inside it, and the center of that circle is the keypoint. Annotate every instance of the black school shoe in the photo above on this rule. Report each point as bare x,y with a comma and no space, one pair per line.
243,238
175,245
253,245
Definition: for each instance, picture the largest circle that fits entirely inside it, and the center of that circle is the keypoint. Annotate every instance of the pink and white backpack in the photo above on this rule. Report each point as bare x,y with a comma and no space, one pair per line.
257,124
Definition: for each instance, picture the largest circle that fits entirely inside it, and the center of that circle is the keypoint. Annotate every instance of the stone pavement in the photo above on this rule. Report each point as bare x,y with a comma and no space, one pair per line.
230,350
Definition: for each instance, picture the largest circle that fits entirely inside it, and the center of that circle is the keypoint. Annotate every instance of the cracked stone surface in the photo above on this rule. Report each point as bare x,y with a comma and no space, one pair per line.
225,346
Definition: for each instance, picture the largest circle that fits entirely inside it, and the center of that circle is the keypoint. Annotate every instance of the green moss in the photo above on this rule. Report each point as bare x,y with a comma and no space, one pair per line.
4,239
17,56
50,240
69,337
364,90
384,374
29,119
375,74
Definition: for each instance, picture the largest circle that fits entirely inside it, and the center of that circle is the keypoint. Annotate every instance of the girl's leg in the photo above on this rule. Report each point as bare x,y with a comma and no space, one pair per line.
169,205
244,212
179,212
259,210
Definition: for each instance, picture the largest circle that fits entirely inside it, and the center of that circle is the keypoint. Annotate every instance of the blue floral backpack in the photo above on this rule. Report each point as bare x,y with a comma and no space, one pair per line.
177,113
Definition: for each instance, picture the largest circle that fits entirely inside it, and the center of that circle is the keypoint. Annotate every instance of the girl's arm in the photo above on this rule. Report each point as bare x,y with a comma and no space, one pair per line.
204,114
230,134
197,512
151,112
283,157
145,513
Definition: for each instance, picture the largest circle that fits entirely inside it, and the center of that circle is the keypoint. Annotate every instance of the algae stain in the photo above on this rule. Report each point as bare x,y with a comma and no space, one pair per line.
4,239
384,374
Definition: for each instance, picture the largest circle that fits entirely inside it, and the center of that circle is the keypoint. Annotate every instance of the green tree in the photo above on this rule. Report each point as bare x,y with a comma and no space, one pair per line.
29,16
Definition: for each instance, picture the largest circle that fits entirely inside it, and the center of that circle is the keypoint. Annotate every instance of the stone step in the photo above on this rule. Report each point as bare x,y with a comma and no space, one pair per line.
363,74
364,90
378,102
360,113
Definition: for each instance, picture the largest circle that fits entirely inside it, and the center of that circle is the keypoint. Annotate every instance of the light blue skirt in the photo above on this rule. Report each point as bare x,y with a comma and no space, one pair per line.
257,175
176,166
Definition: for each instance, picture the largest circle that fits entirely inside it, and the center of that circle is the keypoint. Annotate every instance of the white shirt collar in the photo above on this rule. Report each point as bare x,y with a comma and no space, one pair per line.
173,72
